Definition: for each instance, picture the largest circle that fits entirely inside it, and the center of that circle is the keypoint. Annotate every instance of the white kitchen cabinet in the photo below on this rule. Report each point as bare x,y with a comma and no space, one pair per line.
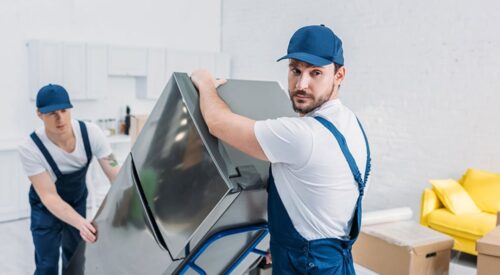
14,186
97,73
156,75
74,70
127,61
181,61
78,67
83,69
46,64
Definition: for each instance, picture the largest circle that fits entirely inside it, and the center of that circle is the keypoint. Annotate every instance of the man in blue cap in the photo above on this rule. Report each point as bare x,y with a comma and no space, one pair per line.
56,158
319,161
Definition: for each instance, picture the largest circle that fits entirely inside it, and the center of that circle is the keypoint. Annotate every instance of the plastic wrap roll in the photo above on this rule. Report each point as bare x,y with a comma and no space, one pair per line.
387,215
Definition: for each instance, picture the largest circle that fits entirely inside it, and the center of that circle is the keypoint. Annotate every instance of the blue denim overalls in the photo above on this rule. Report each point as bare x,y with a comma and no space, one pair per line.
49,233
293,254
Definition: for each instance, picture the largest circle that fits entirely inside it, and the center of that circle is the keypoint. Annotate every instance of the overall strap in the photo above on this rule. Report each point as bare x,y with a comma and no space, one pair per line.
86,141
347,154
46,154
368,166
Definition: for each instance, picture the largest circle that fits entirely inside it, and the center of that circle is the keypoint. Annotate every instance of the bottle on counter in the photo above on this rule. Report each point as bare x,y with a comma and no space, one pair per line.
127,120
112,126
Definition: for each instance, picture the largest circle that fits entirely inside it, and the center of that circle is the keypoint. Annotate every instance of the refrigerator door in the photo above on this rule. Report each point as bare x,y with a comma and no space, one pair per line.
125,235
188,175
176,161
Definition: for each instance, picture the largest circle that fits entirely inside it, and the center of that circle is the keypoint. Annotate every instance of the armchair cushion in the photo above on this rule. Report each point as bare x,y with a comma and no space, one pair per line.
454,197
429,203
468,226
484,189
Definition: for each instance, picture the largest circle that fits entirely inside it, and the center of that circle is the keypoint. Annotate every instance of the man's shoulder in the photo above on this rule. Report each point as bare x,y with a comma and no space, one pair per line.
88,124
286,129
27,147
339,115
98,141
92,125
93,130
292,125
26,143
305,121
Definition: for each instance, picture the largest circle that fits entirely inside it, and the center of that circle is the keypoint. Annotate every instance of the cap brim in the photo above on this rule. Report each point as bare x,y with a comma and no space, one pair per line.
52,108
308,58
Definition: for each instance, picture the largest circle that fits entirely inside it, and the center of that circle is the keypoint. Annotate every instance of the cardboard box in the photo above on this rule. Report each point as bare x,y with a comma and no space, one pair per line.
488,248
136,124
403,248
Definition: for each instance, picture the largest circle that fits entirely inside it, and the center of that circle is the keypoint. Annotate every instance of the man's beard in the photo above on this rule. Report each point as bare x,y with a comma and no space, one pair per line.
313,105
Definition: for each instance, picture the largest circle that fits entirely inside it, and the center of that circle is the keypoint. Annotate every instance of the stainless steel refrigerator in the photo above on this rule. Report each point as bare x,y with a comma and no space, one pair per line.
180,186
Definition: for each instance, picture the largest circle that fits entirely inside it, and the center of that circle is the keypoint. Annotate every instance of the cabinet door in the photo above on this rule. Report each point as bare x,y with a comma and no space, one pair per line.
127,61
157,78
14,187
97,73
46,64
179,61
74,70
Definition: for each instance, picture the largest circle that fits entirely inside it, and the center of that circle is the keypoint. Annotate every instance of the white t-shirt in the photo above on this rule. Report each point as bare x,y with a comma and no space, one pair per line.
311,174
35,163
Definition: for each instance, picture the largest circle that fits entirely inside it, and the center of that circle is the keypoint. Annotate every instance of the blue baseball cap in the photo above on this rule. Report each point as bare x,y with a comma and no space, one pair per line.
317,45
51,98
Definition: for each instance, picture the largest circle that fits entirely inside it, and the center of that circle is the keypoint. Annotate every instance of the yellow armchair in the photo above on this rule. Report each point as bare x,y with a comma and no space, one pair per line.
429,203
464,228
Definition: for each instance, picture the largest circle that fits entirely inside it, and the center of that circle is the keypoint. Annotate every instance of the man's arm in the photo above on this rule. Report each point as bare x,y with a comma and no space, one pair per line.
110,167
236,130
46,190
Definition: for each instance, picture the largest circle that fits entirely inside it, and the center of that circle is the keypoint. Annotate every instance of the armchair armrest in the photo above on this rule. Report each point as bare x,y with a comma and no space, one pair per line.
429,203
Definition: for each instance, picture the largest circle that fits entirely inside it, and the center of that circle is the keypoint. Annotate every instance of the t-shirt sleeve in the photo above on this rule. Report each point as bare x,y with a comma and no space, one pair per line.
98,142
31,162
285,140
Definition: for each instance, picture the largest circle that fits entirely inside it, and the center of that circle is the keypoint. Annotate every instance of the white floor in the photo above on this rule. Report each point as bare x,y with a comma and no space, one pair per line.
16,253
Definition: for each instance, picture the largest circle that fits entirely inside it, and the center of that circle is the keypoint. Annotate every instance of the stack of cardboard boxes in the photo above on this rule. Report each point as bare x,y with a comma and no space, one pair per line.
403,247
136,124
488,248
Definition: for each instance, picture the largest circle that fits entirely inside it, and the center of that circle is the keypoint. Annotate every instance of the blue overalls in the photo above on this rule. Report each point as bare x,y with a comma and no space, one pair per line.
292,253
49,233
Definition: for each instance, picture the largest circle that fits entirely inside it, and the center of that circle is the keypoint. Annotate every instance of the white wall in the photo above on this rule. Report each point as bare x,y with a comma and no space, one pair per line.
184,25
423,76
188,25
